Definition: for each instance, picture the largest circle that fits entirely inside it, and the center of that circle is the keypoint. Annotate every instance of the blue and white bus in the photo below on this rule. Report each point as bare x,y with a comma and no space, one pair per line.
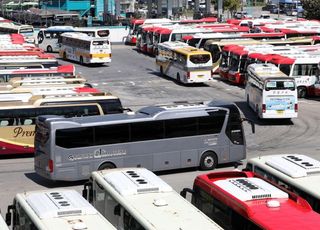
156,137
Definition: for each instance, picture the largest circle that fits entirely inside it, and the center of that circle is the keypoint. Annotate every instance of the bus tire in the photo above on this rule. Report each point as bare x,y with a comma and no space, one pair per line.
81,60
49,49
64,56
161,71
302,92
178,77
106,165
208,161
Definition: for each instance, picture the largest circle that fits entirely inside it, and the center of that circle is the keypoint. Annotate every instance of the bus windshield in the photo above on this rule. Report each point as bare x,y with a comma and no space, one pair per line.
99,43
193,42
103,33
224,59
277,85
285,68
165,37
234,63
200,58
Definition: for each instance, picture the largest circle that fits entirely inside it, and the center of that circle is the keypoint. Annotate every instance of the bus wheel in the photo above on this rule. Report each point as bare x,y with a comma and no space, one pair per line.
49,49
106,165
208,161
64,56
302,92
81,60
161,70
178,77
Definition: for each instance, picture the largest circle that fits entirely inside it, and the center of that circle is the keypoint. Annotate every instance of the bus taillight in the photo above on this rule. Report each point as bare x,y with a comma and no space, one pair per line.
188,75
50,166
296,107
263,108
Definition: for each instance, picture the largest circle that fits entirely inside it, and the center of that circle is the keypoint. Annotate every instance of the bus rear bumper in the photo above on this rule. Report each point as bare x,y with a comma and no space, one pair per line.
279,115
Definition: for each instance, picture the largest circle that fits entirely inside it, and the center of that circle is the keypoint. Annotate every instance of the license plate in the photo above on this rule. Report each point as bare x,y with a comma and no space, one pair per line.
200,76
279,111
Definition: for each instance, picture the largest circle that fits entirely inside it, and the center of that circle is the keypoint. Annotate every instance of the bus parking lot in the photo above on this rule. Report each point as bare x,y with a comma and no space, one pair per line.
133,77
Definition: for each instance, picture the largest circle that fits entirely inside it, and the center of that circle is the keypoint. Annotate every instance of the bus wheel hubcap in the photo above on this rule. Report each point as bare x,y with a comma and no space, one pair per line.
208,161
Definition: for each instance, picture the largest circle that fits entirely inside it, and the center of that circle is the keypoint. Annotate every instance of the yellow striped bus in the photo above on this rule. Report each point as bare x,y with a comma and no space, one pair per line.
184,63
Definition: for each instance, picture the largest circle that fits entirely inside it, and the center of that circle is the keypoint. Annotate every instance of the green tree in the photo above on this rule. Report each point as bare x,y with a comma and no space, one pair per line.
231,5
311,8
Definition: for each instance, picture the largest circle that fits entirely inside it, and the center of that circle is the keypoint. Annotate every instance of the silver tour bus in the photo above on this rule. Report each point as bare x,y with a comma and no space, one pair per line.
158,138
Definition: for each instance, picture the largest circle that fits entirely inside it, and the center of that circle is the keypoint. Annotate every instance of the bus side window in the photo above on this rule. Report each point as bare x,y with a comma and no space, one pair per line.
249,167
23,220
4,123
129,223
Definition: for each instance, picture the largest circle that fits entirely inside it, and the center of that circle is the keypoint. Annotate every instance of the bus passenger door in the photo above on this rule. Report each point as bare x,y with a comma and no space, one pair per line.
235,134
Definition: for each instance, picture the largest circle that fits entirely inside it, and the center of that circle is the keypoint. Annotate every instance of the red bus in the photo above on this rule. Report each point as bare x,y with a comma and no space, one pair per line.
242,200
198,21
225,59
132,36
63,70
237,64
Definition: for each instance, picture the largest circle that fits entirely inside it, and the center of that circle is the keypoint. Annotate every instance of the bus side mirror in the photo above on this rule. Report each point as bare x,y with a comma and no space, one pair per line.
184,191
87,191
116,210
253,127
9,215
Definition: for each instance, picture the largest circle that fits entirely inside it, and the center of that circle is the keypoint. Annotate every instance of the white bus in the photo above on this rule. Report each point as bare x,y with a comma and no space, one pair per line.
48,38
270,93
184,63
85,49
295,172
54,209
179,135
135,198
11,28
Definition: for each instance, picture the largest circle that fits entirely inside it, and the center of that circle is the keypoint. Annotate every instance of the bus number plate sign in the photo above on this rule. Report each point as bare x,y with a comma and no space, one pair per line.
279,111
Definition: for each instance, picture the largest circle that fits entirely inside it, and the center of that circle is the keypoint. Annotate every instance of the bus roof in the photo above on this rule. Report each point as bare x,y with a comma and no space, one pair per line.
63,69
82,36
137,21
59,29
301,170
62,209
173,45
151,113
191,50
266,71
196,21
264,204
264,35
153,199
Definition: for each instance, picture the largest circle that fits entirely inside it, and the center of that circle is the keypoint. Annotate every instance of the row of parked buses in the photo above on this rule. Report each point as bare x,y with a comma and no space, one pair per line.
10,27
287,59
271,192
84,45
32,84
